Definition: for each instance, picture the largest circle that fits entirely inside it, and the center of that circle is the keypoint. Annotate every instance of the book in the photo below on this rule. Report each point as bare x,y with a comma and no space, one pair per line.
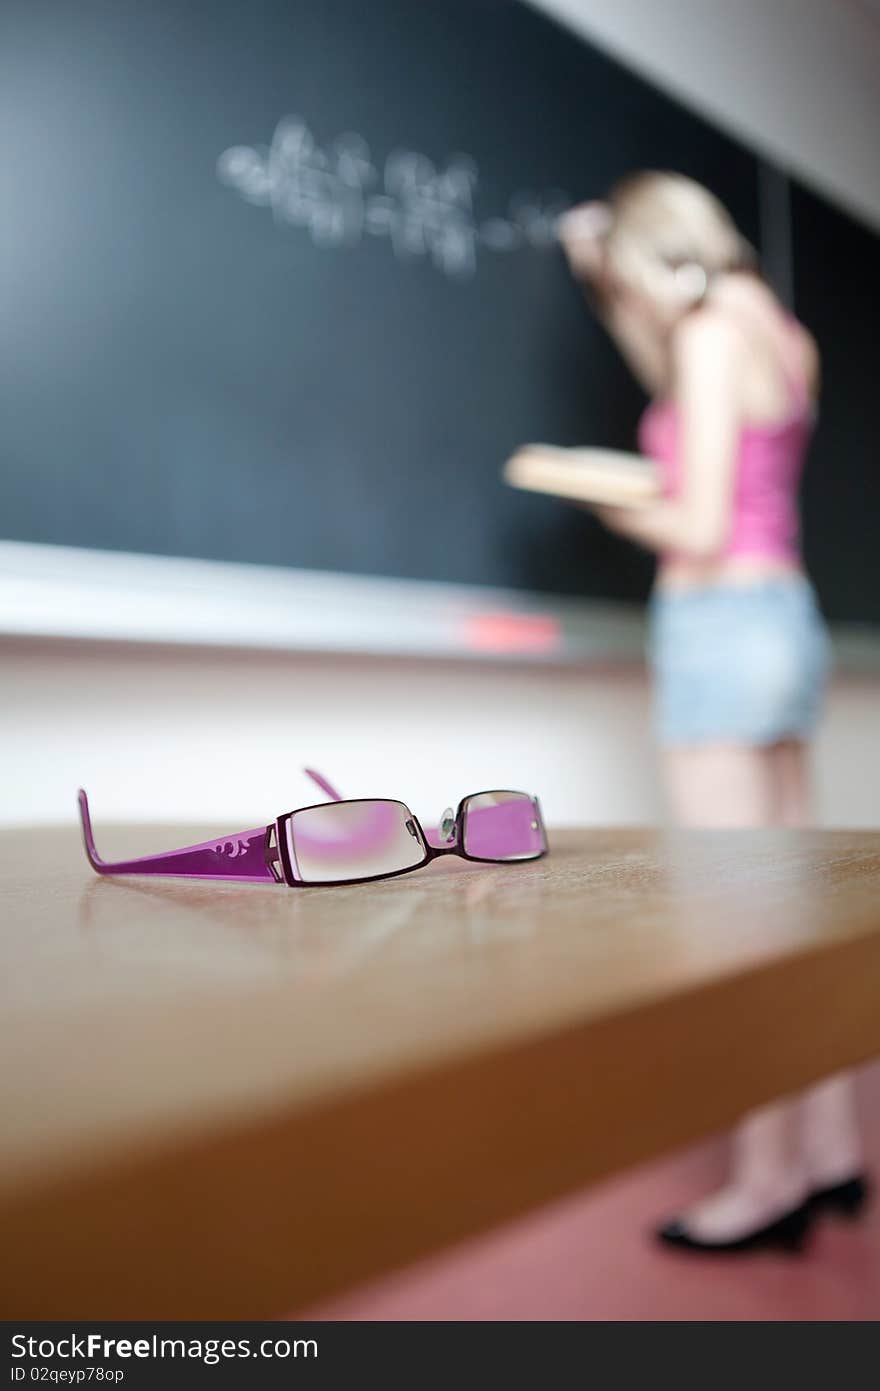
608,476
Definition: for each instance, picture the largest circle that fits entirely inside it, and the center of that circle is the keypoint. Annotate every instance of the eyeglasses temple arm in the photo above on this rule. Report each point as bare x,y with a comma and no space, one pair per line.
324,785
244,855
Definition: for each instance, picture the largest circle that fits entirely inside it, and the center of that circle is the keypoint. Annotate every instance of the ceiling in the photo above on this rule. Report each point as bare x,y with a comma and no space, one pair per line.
796,80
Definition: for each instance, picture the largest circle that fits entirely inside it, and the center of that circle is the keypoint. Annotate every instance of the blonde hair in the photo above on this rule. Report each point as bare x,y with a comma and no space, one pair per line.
663,222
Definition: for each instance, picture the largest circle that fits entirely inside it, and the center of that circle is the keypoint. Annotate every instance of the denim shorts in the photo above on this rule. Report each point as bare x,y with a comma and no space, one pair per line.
743,664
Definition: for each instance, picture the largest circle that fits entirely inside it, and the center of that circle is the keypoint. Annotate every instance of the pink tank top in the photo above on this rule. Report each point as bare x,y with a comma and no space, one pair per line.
765,520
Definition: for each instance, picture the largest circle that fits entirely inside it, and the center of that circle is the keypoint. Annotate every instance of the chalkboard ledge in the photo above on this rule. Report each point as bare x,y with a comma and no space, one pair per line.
60,592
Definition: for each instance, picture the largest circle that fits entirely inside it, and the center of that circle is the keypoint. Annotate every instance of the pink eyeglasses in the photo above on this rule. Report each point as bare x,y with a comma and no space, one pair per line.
348,842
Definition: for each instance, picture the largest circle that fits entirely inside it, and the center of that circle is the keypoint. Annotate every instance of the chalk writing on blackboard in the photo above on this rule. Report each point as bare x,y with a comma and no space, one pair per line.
337,195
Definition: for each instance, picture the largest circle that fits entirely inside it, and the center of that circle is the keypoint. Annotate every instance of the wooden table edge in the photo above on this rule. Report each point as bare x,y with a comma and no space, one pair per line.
259,1220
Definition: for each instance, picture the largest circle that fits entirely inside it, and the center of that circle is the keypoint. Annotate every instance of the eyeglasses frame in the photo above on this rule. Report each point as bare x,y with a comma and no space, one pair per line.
262,858
432,852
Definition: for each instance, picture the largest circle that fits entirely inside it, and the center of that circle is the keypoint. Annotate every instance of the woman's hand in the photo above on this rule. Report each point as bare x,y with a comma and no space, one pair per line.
581,232
618,519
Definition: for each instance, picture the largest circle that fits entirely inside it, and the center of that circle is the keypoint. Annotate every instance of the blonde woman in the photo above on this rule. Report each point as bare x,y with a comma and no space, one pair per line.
738,648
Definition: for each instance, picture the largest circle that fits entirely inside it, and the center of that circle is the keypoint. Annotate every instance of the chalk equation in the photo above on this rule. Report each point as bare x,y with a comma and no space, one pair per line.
337,195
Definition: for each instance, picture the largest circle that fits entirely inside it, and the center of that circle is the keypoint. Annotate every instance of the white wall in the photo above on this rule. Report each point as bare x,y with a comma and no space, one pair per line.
797,80
201,734
221,737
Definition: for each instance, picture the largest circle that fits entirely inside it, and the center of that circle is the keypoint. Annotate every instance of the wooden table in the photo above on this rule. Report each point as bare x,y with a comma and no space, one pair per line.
226,1101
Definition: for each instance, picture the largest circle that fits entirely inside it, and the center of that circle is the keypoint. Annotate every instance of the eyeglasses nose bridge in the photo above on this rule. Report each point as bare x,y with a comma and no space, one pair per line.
447,825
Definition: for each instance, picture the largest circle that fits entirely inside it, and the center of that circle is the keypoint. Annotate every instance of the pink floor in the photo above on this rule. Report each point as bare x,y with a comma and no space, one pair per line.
589,1258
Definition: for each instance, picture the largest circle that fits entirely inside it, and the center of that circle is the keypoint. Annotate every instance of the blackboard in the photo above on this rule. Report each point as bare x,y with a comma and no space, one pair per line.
194,367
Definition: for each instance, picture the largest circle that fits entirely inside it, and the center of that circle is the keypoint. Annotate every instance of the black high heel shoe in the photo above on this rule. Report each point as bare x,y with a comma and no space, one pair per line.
788,1232
847,1199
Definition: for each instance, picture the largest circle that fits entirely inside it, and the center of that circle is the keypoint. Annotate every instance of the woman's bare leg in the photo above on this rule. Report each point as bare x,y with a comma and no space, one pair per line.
791,767
829,1126
721,786
738,787
831,1141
